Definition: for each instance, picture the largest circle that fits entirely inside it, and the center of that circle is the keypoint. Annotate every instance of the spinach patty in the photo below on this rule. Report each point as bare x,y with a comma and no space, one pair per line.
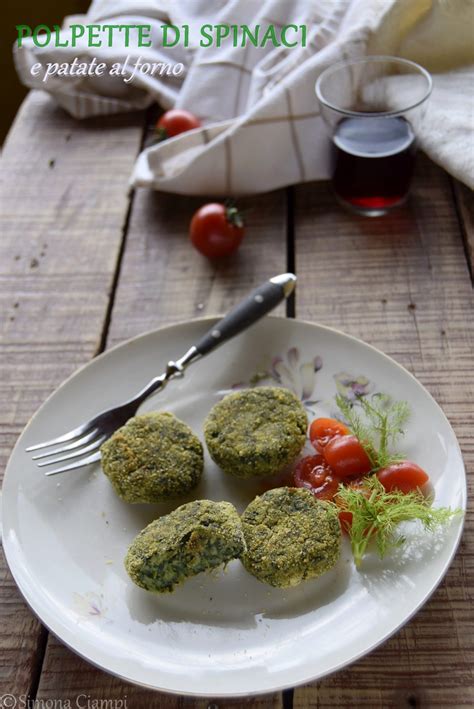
152,458
290,537
256,432
197,536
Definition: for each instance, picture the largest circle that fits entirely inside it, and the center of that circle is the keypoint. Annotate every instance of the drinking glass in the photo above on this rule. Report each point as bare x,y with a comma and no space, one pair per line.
373,108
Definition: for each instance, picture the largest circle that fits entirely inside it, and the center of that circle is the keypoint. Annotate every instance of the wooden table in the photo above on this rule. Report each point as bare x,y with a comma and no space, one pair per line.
85,265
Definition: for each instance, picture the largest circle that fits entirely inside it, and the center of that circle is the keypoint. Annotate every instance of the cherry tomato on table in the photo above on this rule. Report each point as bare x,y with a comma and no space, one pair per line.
316,476
346,456
216,230
404,476
323,430
174,122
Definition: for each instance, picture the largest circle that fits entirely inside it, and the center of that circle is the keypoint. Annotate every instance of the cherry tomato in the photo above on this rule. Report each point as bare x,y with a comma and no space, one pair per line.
345,520
345,517
216,230
315,475
323,430
404,476
174,122
346,456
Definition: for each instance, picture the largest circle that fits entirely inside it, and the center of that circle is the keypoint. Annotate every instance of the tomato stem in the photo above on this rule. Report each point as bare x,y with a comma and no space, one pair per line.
233,215
161,133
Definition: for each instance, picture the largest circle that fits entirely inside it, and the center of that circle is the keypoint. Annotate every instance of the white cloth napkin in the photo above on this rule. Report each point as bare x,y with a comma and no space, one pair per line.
262,127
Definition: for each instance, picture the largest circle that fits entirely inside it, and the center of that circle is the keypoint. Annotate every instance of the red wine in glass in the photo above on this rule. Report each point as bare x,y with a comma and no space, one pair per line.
373,162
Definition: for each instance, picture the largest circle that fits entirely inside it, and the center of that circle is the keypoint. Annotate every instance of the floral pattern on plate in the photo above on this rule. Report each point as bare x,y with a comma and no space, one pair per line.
90,604
289,371
351,387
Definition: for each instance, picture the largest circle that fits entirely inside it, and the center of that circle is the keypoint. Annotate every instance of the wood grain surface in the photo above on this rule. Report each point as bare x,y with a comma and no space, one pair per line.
162,280
63,207
402,283
465,205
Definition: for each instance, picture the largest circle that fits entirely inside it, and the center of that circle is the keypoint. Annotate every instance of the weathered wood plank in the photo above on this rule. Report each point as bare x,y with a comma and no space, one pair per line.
465,205
66,676
63,205
162,280
402,284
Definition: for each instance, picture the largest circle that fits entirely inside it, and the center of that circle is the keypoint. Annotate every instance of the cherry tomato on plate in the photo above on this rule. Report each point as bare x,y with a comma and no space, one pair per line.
216,230
404,476
174,122
345,520
345,517
315,475
323,430
346,456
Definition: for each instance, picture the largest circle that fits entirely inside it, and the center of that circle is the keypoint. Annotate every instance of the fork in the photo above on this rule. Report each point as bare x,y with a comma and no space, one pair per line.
86,439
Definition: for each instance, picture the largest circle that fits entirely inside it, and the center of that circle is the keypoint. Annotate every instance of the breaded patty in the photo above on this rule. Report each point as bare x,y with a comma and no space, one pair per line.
290,537
152,458
198,536
256,432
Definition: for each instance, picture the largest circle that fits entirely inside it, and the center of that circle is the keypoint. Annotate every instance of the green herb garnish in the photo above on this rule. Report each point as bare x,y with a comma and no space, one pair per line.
377,422
377,513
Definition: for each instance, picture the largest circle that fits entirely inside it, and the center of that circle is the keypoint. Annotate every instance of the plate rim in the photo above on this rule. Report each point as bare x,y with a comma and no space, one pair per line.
280,688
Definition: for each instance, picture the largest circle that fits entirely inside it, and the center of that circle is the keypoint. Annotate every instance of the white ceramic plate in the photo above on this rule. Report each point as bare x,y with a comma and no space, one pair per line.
225,634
